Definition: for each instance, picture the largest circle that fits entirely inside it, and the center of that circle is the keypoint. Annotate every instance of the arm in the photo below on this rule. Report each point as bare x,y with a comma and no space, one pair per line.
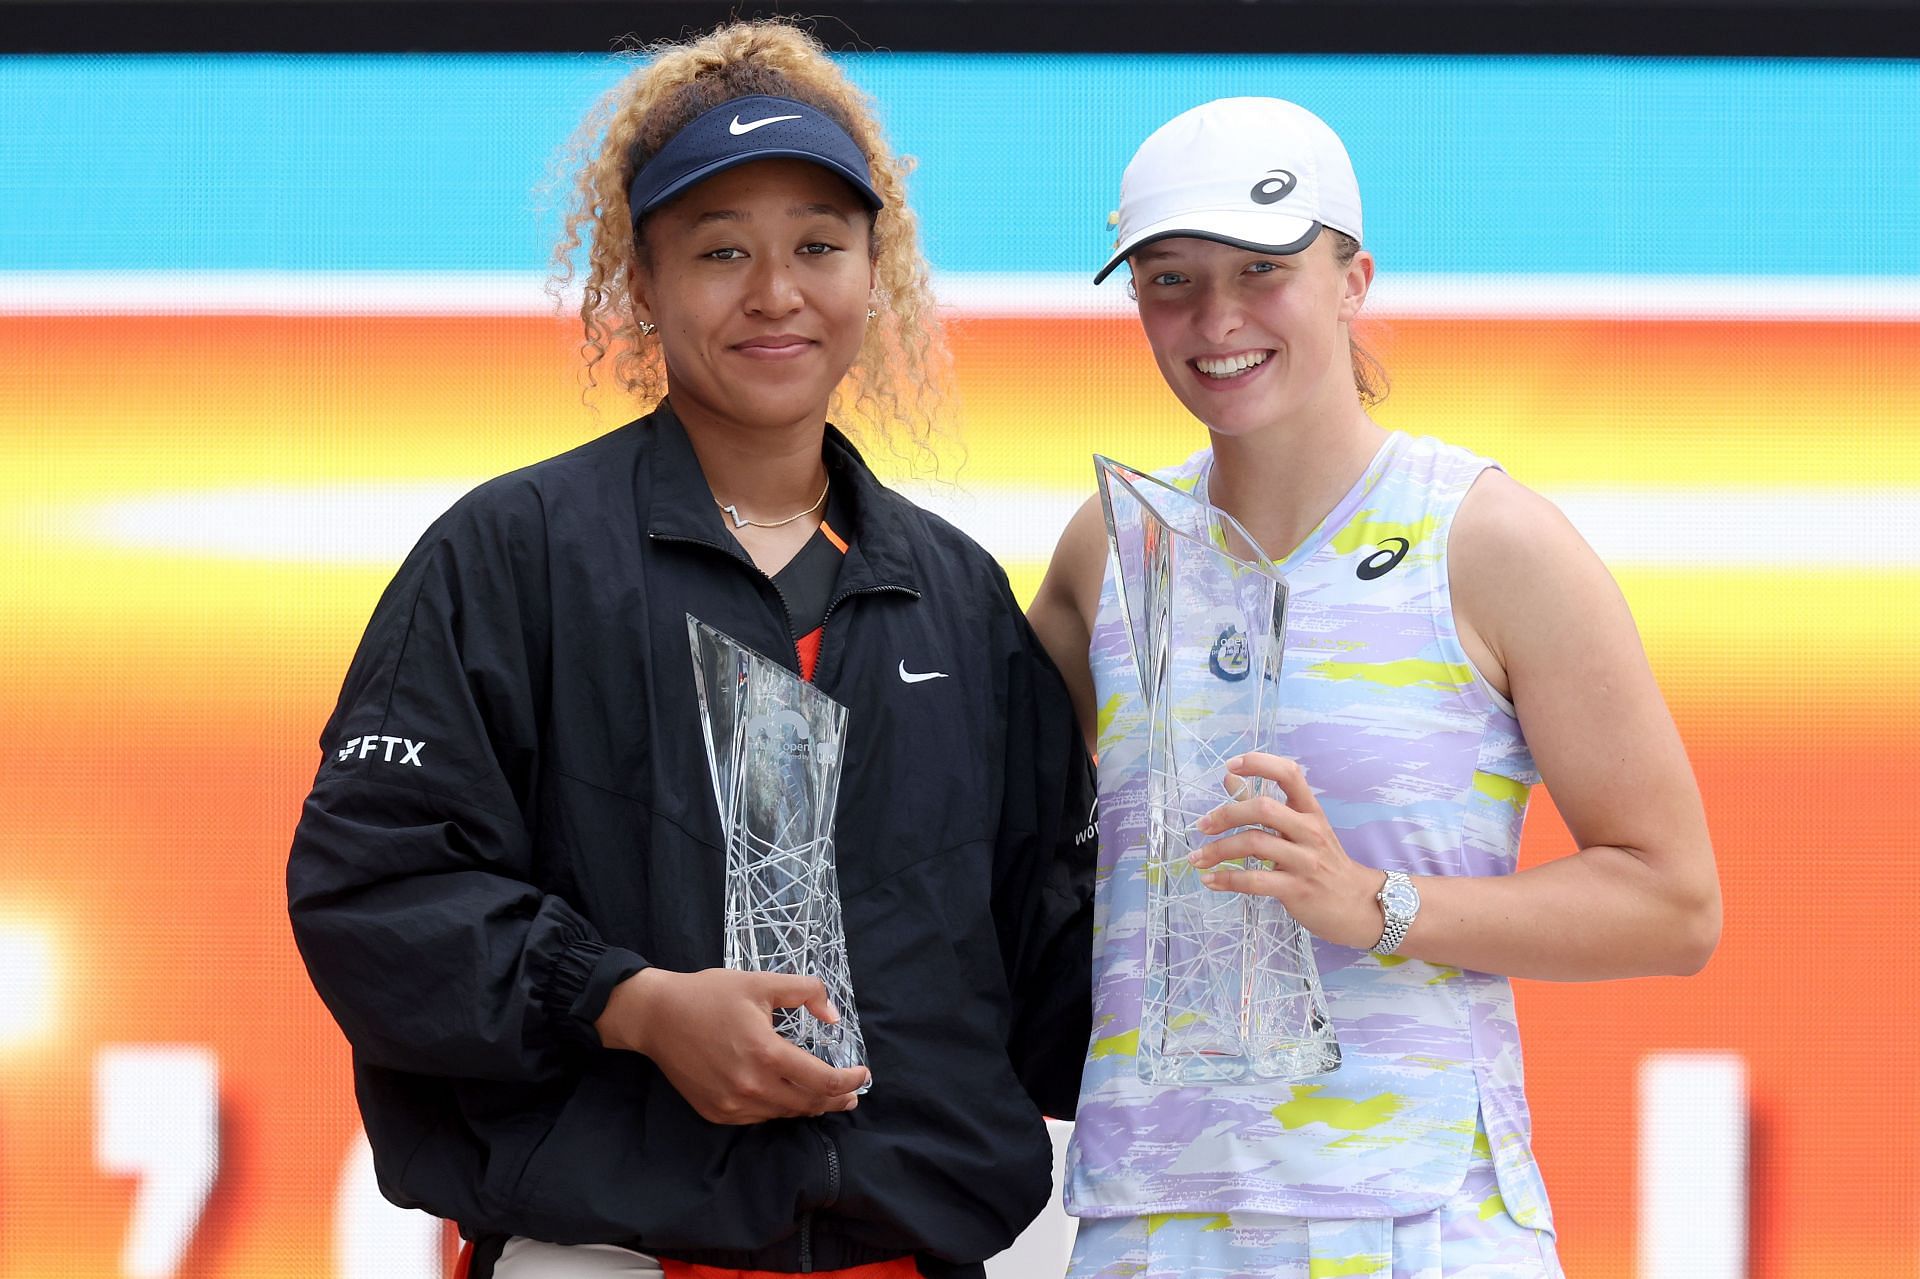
410,883
410,880
1043,877
1539,612
411,876
1064,608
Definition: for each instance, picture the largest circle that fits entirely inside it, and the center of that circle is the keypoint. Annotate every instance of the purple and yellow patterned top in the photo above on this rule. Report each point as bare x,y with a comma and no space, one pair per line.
1421,766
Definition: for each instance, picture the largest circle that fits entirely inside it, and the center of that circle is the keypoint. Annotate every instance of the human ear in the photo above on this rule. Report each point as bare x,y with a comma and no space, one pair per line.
639,288
1358,279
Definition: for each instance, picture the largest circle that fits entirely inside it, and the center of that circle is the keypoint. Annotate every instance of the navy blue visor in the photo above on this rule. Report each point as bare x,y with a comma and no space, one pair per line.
740,132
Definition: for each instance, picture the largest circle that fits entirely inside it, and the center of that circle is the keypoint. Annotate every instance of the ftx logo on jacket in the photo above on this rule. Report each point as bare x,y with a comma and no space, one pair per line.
365,746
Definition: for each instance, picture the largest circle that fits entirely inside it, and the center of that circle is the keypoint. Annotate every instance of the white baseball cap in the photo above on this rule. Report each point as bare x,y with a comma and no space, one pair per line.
1258,173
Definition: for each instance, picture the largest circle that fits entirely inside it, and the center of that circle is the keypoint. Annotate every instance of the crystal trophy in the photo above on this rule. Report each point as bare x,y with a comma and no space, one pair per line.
1232,994
774,749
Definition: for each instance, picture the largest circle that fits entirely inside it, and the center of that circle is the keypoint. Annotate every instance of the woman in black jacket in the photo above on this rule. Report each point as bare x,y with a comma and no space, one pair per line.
507,881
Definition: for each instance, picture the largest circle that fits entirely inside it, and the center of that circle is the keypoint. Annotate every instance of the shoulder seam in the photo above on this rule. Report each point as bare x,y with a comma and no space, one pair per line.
400,655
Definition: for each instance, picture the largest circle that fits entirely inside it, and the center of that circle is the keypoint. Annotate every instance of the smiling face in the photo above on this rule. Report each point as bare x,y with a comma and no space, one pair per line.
1249,340
759,279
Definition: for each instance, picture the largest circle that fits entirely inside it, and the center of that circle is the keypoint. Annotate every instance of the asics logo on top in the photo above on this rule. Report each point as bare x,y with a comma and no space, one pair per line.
918,677
1382,561
736,128
1273,188
365,746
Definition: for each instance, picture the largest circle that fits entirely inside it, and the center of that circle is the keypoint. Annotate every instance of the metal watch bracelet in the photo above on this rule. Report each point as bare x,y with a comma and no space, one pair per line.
1397,921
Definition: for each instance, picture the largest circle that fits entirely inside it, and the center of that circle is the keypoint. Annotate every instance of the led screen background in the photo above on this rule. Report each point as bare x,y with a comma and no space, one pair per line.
262,317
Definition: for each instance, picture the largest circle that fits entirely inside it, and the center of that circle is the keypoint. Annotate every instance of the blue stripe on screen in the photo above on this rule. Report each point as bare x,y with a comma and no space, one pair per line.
1476,165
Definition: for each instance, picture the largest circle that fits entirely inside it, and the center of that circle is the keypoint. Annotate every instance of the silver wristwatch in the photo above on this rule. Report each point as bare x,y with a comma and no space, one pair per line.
1399,902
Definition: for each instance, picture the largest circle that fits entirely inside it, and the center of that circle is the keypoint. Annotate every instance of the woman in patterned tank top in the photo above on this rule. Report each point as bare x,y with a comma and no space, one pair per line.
1452,640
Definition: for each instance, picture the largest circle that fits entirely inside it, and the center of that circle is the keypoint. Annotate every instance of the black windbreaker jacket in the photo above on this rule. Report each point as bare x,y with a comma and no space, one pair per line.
513,814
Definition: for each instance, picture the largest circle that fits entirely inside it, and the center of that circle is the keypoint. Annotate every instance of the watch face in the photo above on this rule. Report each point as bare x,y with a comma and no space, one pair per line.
1400,897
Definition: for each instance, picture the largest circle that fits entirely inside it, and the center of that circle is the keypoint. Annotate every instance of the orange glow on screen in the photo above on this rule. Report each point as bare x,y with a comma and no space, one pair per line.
164,687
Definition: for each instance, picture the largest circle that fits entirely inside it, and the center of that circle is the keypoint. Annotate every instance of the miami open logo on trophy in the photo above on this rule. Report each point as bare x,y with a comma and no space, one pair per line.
774,749
1231,993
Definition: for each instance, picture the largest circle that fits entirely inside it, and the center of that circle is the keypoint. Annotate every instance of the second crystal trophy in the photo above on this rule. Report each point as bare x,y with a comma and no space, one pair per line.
1232,993
774,747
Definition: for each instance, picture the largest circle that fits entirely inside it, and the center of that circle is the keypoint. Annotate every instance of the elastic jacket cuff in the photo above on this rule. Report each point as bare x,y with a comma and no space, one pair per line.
582,978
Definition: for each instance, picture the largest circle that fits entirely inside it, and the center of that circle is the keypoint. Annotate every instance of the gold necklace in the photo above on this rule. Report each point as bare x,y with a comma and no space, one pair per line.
741,521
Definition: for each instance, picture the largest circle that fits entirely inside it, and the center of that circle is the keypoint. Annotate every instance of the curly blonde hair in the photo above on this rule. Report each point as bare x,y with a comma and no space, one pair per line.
901,374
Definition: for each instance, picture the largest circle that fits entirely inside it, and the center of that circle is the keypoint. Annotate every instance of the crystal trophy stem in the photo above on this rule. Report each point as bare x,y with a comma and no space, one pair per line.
774,750
1232,993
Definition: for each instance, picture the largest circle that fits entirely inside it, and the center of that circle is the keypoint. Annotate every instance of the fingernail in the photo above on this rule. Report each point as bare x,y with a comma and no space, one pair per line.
1236,763
1209,878
833,1014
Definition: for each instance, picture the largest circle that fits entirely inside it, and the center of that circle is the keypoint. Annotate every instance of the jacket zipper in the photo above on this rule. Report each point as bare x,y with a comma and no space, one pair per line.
832,1151
833,1197
786,614
820,658
833,1172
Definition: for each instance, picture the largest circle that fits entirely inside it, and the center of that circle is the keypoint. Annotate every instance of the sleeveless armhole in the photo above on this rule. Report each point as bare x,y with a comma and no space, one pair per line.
1462,477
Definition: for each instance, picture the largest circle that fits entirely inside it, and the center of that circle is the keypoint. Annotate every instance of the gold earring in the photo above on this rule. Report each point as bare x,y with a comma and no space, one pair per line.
647,327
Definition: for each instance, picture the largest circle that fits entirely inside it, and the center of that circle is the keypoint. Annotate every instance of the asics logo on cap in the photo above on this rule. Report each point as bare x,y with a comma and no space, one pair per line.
736,128
1274,188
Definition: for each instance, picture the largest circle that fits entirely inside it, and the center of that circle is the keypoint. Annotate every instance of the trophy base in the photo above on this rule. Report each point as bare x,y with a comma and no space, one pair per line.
832,1042
1283,1063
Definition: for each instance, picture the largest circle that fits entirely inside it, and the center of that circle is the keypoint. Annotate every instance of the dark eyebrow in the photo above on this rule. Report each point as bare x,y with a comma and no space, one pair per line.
720,215
1153,255
818,211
